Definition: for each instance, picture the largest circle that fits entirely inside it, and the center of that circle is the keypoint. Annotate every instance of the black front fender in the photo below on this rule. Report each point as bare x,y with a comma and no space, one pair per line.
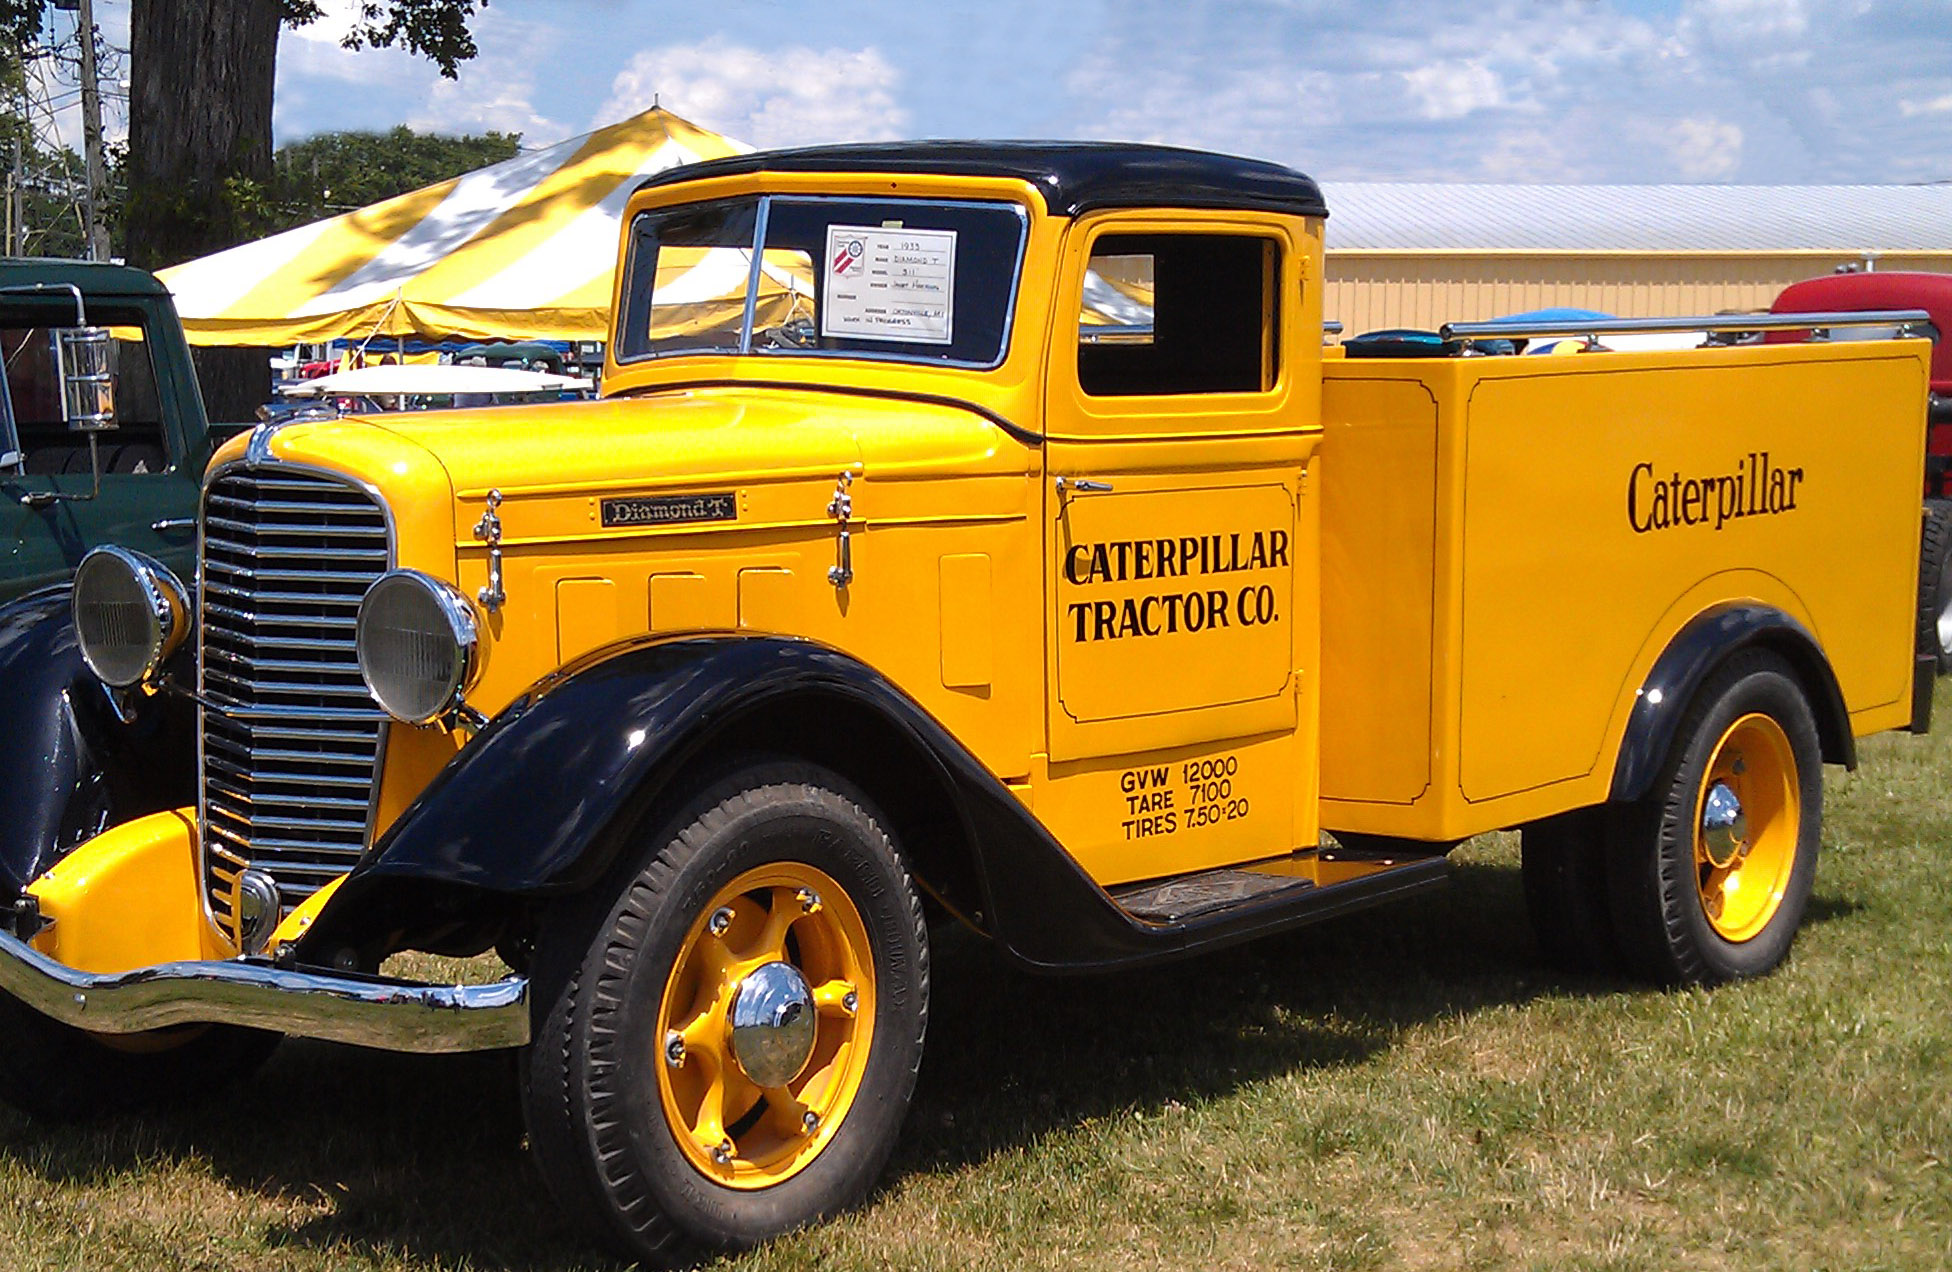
542,800
68,765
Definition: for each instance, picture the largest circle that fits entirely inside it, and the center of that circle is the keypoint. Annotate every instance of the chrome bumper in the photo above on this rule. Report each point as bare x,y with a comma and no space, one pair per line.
368,1011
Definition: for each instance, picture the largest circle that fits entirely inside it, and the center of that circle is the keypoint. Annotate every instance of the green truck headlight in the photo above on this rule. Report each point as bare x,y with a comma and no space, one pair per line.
130,615
416,641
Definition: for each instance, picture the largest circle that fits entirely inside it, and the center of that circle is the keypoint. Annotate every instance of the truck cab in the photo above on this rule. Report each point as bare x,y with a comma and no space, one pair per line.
968,532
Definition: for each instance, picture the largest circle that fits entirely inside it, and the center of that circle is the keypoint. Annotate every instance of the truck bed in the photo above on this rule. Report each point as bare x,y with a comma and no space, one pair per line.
1508,543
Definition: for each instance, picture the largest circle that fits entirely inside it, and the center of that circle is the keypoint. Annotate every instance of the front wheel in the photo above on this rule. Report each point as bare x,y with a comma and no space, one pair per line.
726,1053
1710,873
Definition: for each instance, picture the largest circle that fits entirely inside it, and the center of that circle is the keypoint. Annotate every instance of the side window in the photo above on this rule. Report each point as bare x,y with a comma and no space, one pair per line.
33,387
1178,313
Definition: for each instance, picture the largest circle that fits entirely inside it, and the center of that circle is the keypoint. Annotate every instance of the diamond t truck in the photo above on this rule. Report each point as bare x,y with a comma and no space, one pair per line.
968,533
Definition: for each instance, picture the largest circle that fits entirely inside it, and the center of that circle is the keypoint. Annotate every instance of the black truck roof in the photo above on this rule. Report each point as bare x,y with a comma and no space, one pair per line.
95,278
1075,177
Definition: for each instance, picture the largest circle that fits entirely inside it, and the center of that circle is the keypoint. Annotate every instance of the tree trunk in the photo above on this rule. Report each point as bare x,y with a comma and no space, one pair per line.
201,75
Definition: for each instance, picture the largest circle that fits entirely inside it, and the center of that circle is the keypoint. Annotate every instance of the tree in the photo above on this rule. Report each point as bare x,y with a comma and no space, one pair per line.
201,78
338,171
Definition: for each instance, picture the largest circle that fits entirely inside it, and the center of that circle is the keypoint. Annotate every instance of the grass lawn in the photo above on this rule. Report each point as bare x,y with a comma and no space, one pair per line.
1401,1088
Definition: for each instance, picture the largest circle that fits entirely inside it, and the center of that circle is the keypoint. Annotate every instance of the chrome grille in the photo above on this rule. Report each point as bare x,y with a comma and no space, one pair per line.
291,740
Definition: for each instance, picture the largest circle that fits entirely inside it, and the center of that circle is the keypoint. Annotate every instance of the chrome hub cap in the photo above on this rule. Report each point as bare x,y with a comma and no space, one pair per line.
772,1023
1724,827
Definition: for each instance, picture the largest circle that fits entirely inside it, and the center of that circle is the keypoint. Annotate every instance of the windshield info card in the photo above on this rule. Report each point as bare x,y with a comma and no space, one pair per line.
887,284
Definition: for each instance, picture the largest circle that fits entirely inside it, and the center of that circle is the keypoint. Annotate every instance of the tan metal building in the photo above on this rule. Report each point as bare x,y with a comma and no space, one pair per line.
1419,255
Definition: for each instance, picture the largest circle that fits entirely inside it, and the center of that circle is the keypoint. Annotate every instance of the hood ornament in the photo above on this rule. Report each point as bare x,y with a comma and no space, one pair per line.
258,451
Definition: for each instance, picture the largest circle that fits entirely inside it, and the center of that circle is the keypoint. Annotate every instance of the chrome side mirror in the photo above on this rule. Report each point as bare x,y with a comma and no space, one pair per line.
87,382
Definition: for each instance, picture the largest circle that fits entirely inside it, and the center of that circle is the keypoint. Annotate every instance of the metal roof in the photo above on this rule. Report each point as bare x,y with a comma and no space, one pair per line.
1437,217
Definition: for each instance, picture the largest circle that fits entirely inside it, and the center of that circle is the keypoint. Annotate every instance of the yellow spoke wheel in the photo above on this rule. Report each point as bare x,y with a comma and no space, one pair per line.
1747,825
1708,872
729,1029
767,1020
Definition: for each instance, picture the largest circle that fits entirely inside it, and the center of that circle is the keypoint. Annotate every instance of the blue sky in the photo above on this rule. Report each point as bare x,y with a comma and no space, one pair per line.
1774,91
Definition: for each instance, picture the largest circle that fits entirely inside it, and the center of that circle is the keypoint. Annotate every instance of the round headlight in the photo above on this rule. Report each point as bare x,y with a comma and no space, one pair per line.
130,615
416,641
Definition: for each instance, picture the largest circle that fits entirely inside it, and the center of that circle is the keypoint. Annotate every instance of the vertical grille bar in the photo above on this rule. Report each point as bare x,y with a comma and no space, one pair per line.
291,744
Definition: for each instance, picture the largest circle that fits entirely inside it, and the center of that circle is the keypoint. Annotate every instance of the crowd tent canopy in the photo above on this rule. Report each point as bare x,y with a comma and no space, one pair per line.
525,249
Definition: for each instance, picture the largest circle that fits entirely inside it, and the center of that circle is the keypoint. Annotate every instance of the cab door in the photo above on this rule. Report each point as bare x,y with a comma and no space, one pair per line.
1181,416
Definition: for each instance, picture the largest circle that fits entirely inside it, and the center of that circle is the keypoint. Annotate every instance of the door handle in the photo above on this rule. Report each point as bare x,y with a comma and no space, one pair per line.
1082,484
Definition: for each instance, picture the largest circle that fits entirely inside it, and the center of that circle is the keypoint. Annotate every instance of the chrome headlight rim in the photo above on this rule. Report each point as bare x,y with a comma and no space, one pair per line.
165,605
460,626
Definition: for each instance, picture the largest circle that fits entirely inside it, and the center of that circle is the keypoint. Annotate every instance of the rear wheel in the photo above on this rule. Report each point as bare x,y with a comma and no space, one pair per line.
1935,584
727,1050
1710,873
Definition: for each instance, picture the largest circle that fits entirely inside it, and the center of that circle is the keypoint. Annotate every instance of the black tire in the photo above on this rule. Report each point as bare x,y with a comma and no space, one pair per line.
597,1093
1935,584
56,1073
1751,714
1563,864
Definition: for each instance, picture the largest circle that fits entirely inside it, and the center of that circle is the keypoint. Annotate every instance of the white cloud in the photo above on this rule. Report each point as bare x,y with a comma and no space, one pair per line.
786,96
1534,154
1452,90
1705,149
1540,90
323,86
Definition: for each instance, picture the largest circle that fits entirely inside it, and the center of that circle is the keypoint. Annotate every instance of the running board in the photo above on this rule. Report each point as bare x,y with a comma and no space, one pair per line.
1235,903
1193,896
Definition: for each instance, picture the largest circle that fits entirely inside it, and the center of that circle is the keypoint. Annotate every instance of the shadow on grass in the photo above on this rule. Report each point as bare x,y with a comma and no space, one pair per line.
1823,909
1012,1057
420,1158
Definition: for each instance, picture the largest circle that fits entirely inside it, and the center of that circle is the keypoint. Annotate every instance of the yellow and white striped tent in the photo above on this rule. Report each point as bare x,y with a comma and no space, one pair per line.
524,249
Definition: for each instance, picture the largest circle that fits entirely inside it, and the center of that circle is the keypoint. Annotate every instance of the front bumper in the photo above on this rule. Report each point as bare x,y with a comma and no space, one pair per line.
368,1011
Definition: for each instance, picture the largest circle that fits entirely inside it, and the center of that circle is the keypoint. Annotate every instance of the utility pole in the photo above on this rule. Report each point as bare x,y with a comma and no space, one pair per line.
15,231
91,135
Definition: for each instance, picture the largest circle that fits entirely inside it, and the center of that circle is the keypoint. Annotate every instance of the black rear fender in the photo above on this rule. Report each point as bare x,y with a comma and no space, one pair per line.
1696,651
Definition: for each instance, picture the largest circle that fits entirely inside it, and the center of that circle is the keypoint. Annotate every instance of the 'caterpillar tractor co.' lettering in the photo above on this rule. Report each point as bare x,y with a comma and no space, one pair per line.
967,531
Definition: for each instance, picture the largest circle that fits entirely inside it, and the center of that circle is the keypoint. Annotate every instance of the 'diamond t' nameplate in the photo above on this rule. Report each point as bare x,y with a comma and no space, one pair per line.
670,510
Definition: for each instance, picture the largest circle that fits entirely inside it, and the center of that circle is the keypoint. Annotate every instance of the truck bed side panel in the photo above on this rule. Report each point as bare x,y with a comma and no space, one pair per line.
1379,543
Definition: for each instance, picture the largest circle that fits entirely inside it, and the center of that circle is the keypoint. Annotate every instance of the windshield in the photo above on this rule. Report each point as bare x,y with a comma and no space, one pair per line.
901,279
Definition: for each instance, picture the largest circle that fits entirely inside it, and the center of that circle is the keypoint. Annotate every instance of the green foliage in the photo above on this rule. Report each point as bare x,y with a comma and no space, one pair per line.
20,20
435,29
336,172
438,30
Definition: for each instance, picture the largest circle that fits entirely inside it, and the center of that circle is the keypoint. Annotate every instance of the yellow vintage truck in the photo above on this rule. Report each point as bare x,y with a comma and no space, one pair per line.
975,532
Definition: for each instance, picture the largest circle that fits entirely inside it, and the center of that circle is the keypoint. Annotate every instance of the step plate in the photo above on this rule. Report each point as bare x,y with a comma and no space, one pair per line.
1176,900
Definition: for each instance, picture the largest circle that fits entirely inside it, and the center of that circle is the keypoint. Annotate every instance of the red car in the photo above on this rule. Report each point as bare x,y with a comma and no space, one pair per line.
1933,294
